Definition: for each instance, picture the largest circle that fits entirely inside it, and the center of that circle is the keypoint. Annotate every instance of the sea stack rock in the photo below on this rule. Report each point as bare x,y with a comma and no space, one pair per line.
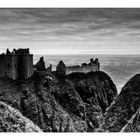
123,112
40,65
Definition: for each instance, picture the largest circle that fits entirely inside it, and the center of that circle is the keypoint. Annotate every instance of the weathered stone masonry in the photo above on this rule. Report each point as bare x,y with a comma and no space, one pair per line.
94,65
17,64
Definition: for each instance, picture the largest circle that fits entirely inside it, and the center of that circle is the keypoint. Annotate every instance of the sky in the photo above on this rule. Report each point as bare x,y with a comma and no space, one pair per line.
71,30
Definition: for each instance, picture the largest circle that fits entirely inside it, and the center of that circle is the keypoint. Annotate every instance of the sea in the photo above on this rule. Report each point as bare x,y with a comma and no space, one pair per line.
119,67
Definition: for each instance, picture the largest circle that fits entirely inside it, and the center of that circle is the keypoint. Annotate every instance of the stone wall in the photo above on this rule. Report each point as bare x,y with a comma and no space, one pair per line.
17,64
8,66
94,65
25,66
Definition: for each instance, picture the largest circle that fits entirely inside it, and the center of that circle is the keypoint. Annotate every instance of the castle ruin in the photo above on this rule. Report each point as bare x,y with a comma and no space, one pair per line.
17,64
94,65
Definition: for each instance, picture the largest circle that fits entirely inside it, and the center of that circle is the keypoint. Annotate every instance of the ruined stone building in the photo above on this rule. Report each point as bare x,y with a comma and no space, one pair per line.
94,65
17,64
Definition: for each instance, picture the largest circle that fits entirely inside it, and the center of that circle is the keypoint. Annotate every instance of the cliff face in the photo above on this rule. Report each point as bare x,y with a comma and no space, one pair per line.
123,114
97,91
11,120
134,124
40,65
34,99
71,103
95,88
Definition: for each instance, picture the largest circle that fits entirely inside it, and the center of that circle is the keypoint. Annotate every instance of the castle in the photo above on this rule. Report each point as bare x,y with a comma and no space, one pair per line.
17,64
94,65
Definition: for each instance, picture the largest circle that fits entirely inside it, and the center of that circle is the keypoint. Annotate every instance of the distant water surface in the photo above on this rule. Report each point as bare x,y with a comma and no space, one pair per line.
119,67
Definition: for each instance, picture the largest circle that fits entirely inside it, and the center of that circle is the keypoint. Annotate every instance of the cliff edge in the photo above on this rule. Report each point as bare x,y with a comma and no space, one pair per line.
74,104
123,114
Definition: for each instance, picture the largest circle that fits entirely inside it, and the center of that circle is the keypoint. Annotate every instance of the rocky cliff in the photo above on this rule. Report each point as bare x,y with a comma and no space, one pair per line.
34,100
73,103
95,88
40,65
97,91
123,114
11,120
134,124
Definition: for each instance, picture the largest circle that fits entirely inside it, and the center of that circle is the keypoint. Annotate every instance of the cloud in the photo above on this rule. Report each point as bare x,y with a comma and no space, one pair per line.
84,29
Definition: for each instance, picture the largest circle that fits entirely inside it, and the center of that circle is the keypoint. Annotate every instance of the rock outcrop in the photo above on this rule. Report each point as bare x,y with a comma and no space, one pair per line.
61,68
123,114
40,65
34,99
97,91
11,120
74,104
95,88
134,124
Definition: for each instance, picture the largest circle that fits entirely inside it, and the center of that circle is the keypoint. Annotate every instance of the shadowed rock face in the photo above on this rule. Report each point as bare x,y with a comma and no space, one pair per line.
127,103
69,99
95,88
74,103
134,124
40,65
34,99
97,91
11,120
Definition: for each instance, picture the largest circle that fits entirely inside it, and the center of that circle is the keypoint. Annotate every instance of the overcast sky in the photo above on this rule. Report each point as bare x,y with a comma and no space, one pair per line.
71,31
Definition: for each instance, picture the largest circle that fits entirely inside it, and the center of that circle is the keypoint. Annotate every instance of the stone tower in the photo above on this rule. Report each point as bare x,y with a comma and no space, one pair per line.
25,63
17,64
